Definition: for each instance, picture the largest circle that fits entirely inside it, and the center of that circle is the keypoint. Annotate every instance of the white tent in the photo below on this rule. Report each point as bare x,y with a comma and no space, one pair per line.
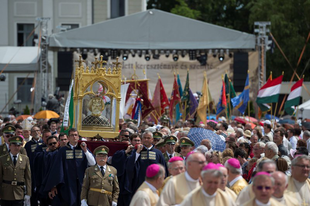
19,59
304,110
154,29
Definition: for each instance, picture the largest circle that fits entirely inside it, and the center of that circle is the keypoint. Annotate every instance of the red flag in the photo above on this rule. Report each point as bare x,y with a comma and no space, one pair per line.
160,100
224,101
175,96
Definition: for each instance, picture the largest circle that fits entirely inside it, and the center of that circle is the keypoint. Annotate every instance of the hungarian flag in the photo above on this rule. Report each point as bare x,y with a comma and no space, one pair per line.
175,97
293,98
160,100
269,92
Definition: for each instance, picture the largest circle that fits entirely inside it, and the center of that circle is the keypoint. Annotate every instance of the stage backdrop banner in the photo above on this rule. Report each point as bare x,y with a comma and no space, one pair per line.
166,68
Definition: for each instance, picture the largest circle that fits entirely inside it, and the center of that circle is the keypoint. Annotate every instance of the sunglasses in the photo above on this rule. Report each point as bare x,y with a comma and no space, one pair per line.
126,135
52,143
262,187
8,135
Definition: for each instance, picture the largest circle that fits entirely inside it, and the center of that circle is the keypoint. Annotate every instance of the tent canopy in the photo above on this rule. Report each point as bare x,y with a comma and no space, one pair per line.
19,59
154,29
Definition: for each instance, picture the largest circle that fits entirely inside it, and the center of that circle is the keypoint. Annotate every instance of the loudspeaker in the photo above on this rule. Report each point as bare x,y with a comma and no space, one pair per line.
65,67
241,66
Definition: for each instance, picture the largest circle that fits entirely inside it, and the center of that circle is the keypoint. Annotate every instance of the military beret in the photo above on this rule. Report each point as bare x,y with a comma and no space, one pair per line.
185,141
101,150
16,140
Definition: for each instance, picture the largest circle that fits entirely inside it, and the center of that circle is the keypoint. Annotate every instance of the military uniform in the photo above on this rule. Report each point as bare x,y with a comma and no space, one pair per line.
15,181
157,136
97,189
4,148
171,140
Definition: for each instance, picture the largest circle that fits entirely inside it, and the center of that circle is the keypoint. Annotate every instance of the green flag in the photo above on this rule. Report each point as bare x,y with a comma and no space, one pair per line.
69,109
230,93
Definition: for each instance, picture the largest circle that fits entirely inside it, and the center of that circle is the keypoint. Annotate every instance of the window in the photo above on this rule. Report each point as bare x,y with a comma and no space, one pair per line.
23,35
117,8
23,92
70,26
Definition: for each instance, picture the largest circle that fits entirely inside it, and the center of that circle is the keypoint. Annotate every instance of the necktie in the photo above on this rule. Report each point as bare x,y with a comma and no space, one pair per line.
102,171
170,156
14,160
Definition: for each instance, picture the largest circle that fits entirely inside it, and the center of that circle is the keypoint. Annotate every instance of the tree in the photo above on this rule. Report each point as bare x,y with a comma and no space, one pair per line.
26,110
183,10
290,25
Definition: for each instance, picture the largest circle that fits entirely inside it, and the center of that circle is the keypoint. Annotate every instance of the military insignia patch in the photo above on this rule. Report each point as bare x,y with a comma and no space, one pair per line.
183,141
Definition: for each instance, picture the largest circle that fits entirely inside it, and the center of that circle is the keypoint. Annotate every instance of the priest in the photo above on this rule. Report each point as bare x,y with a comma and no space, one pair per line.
209,194
281,181
299,184
179,186
223,184
147,195
263,188
235,180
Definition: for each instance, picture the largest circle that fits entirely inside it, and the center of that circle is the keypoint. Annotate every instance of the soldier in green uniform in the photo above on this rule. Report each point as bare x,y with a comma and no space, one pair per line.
187,146
100,184
15,175
8,132
170,142
157,136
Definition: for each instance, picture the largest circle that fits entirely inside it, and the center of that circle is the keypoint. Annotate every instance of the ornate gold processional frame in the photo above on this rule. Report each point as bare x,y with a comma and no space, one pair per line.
97,96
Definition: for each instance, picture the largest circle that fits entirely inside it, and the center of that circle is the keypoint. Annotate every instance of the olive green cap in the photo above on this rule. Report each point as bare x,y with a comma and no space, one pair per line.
101,150
9,129
157,135
185,141
171,139
16,140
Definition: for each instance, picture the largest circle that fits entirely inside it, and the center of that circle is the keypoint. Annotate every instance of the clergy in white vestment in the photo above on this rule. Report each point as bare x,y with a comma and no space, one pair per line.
223,184
268,166
280,185
263,188
181,185
299,183
209,194
147,195
235,180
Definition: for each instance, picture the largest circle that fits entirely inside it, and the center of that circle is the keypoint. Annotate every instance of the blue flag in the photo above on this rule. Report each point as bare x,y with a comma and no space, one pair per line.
178,107
241,101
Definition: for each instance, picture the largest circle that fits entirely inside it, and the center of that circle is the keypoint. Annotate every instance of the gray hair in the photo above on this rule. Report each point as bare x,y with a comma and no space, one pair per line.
239,130
261,164
307,133
295,160
232,169
265,176
261,144
273,147
212,173
147,132
201,148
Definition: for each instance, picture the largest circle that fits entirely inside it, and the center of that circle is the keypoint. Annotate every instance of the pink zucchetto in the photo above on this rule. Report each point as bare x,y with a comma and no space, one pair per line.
152,170
262,173
174,159
234,163
191,152
211,166
219,165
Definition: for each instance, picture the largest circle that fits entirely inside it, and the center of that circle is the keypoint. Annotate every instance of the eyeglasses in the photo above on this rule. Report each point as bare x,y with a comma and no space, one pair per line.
262,187
125,135
52,143
8,135
178,168
303,166
199,162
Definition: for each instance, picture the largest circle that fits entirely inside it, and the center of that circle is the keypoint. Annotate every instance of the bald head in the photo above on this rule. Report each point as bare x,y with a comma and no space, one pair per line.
281,182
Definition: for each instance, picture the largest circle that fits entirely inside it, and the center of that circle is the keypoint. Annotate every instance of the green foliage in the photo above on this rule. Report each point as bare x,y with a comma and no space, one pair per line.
183,10
26,110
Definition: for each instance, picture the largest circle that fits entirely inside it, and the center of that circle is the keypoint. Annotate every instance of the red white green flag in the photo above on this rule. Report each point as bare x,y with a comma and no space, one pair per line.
293,98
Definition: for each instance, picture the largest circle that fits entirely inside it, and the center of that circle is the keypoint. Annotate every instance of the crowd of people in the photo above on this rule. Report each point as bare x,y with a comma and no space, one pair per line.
261,165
